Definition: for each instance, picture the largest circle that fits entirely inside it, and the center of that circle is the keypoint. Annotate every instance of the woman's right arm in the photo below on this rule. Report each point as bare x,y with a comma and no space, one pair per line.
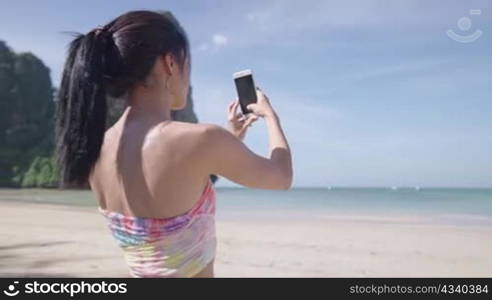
226,155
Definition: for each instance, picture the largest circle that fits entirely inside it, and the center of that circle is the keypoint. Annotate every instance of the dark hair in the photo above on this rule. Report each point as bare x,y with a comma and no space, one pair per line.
108,60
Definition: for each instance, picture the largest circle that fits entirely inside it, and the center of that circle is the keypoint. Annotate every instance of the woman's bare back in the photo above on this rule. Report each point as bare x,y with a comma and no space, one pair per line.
149,170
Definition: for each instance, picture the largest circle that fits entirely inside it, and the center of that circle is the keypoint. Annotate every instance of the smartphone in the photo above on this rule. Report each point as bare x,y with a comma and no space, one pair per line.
246,90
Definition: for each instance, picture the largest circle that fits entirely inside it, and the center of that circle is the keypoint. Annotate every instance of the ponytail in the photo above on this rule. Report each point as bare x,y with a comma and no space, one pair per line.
81,109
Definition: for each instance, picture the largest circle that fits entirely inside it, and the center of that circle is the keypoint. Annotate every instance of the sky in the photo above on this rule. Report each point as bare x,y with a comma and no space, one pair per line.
369,93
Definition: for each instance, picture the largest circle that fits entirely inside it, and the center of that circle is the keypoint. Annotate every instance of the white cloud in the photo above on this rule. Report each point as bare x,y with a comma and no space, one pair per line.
216,42
260,18
219,40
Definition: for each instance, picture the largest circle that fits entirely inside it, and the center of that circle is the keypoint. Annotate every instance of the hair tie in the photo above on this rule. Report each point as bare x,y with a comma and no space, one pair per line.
101,30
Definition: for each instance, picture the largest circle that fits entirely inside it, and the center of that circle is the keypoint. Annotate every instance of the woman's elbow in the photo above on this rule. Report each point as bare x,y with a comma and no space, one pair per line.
287,182
284,181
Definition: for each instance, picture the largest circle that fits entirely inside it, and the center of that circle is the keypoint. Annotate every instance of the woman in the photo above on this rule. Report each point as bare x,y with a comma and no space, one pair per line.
151,175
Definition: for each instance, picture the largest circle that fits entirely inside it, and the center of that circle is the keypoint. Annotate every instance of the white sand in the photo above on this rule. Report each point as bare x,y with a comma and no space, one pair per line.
52,240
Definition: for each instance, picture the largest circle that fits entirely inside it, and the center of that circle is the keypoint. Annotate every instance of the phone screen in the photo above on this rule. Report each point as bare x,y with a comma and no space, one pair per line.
246,91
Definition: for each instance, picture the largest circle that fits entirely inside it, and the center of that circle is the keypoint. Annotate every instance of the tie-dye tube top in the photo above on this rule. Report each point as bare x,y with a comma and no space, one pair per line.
179,246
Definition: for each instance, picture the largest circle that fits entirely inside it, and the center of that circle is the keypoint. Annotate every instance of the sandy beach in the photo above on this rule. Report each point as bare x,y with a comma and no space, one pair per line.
58,240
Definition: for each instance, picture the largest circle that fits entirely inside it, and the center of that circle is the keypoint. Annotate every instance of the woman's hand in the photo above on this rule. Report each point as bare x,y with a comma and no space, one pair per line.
237,123
262,107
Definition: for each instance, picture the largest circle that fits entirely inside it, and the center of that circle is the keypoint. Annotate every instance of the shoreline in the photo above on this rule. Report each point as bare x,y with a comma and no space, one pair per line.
58,240
472,221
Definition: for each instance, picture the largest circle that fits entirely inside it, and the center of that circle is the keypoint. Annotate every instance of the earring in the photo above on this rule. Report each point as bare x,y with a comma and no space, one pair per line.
168,87
167,83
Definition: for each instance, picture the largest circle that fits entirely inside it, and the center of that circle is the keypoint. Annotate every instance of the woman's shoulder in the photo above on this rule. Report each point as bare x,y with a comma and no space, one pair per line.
193,130
191,142
200,136
179,128
185,134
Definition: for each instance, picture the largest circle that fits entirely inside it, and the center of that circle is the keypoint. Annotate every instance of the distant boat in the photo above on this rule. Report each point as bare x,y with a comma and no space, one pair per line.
328,187
394,188
417,188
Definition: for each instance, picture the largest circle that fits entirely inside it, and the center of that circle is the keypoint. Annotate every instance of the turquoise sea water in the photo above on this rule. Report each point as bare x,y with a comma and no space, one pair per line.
448,205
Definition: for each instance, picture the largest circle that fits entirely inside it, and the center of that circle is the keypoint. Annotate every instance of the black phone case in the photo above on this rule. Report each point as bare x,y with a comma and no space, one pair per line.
246,94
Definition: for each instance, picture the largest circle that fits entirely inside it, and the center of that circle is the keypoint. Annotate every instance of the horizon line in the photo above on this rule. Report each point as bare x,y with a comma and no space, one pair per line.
372,186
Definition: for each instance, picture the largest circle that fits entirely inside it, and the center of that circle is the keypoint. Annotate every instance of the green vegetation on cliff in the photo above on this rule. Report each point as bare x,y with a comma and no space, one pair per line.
26,118
27,109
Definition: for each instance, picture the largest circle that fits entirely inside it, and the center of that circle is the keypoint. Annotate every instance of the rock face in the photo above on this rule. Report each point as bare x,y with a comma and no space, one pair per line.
26,113
187,114
117,106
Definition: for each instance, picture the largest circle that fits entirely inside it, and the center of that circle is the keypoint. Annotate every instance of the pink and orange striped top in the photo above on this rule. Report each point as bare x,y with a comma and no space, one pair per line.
179,246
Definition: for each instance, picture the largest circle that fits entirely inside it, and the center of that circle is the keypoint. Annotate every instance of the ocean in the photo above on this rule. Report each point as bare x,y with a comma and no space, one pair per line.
455,206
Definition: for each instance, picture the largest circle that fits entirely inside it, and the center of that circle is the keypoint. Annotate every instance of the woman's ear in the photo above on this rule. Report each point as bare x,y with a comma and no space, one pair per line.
170,64
160,66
